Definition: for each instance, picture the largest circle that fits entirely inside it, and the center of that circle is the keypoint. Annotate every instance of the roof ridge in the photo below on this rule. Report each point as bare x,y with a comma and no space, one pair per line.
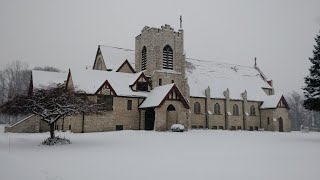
219,62
116,47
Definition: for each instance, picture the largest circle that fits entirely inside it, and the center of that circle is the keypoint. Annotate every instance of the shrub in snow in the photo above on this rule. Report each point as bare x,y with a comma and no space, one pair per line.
56,141
177,128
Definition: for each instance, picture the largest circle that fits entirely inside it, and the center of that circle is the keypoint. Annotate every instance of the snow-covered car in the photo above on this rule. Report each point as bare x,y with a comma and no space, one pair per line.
177,128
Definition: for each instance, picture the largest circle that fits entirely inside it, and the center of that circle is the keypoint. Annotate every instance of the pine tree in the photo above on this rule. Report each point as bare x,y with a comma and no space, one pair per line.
312,81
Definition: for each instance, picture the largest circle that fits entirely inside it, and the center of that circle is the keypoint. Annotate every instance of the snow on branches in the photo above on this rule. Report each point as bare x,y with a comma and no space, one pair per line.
52,103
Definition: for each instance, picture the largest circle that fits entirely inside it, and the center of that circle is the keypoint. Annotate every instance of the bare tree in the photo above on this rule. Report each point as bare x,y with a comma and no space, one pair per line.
51,104
47,68
299,115
14,80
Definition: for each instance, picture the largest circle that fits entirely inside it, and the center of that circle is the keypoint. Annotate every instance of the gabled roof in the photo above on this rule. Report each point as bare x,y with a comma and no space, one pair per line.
90,81
272,102
114,57
220,76
41,79
158,95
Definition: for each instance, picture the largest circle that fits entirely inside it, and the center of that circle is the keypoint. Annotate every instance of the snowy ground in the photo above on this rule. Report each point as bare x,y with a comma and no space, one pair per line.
197,154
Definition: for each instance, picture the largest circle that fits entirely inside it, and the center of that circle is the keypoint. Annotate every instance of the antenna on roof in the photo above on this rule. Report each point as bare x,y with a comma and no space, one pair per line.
180,21
255,61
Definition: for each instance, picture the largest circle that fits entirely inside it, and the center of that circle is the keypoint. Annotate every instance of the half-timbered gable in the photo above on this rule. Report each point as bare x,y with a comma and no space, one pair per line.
140,83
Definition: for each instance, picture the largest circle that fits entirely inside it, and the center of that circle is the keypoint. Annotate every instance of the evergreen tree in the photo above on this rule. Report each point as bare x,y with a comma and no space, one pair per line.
312,81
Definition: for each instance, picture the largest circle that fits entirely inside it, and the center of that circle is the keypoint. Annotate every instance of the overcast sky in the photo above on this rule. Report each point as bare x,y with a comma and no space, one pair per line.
280,33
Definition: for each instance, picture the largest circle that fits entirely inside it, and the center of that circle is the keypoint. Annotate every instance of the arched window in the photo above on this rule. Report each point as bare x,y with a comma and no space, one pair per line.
167,61
268,121
235,110
171,108
144,58
252,111
217,109
197,108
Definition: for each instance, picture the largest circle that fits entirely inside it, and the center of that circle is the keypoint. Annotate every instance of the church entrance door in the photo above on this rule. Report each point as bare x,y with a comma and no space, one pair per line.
280,125
149,119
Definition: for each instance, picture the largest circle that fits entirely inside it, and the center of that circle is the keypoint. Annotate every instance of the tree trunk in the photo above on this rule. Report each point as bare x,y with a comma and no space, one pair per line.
51,130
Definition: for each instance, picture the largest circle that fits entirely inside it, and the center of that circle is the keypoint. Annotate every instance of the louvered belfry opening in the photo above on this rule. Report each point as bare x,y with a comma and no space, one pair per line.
167,62
144,58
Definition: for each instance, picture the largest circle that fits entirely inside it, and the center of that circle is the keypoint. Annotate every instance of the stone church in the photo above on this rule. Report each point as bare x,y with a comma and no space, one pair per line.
156,85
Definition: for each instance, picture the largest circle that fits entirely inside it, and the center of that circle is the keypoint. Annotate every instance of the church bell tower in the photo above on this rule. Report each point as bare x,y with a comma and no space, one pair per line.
159,53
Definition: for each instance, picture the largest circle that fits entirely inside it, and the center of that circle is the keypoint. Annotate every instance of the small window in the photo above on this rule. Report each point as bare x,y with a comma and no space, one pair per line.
119,127
69,127
142,86
160,82
62,127
217,109
172,81
256,128
251,128
235,110
193,127
129,105
197,108
214,127
221,127
239,127
200,127
233,128
252,111
268,121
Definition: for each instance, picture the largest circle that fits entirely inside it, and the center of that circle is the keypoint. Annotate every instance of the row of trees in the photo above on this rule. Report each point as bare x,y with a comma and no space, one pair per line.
299,115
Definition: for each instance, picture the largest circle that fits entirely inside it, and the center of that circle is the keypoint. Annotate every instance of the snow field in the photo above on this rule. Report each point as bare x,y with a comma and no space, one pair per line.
196,154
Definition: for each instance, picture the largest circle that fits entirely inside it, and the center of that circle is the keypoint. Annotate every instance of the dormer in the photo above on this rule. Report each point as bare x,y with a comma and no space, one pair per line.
141,83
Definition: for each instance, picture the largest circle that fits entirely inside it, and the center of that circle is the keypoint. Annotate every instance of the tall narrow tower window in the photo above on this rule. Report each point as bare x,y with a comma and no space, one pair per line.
167,61
144,58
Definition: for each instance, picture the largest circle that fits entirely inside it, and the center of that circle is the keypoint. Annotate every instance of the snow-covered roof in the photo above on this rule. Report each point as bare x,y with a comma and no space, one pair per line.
271,101
114,57
220,76
41,79
156,96
91,80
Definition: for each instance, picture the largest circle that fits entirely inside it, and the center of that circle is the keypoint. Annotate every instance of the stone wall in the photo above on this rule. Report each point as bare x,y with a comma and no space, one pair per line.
107,121
197,119
28,125
164,119
125,69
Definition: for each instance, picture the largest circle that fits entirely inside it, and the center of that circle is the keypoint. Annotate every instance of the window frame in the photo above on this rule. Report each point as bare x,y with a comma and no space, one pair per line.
144,58
252,110
197,108
167,57
217,109
129,104
235,110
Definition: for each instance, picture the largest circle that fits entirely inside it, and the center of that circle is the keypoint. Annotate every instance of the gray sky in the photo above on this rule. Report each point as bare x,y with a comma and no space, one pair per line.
280,33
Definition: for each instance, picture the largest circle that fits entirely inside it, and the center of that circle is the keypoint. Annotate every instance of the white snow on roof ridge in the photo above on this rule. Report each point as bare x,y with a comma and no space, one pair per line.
271,101
88,80
156,96
114,57
220,76
216,61
91,80
42,79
